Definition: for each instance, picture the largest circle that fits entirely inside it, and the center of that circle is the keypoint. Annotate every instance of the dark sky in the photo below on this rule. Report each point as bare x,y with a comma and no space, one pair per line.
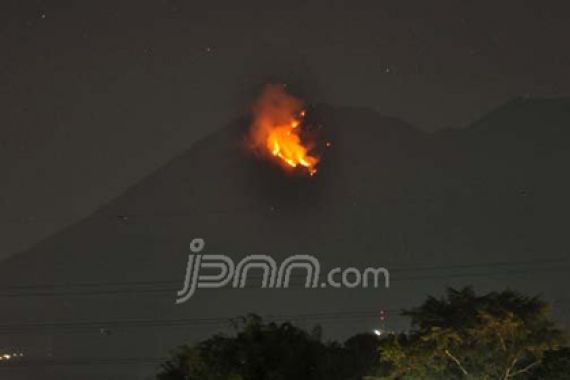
96,94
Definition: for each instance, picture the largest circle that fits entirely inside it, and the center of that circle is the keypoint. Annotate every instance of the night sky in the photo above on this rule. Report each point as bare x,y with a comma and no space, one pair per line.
95,95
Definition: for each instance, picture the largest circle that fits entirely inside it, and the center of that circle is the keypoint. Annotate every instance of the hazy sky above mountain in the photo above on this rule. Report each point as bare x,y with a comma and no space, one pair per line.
95,95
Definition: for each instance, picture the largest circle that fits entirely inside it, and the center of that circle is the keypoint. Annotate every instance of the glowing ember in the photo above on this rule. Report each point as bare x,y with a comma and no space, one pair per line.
276,129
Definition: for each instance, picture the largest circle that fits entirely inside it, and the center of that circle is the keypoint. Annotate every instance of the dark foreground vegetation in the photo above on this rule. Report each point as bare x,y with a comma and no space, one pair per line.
497,336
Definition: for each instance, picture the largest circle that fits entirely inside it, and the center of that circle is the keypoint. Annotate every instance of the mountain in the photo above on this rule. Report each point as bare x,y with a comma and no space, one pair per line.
486,205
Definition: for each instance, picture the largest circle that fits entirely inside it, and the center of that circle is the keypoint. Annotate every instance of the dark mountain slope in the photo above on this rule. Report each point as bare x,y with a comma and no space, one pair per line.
484,206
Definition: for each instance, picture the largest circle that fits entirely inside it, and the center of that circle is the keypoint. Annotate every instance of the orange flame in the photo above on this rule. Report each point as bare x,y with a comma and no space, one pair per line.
276,129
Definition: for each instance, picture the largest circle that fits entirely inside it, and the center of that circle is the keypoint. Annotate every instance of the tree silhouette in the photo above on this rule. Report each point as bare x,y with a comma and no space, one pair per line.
501,335
271,351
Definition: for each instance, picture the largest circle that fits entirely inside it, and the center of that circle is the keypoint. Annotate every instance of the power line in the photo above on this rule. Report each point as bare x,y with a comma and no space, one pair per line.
74,326
161,286
14,328
299,284
80,362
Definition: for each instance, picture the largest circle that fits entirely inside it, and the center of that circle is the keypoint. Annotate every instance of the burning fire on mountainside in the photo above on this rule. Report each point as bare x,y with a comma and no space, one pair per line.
277,130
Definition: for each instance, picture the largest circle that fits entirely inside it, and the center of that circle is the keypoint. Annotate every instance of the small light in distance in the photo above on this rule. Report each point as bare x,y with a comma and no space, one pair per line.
11,356
377,332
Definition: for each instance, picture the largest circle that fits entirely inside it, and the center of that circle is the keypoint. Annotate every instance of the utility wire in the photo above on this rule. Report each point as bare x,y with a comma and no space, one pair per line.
13,328
167,286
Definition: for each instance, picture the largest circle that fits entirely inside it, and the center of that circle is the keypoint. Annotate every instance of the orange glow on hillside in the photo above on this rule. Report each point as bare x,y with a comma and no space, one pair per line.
276,129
